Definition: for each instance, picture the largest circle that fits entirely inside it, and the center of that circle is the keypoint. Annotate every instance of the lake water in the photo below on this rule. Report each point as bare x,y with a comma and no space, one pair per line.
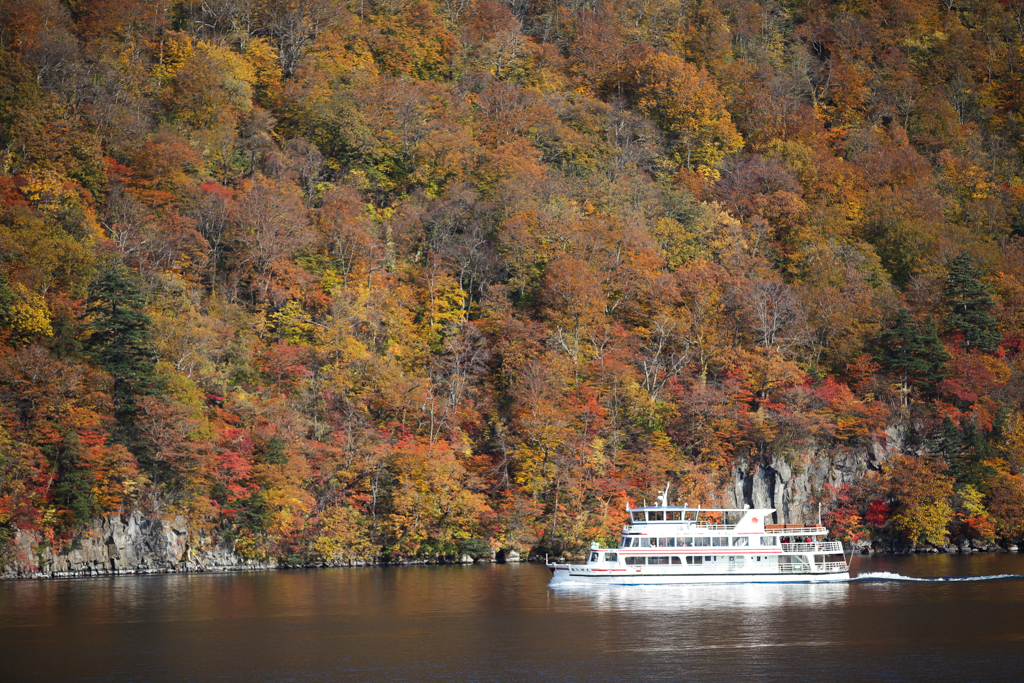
504,623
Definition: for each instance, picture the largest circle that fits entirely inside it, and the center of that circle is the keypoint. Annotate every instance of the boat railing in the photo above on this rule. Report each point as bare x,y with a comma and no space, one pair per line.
793,529
832,566
806,568
816,547
686,523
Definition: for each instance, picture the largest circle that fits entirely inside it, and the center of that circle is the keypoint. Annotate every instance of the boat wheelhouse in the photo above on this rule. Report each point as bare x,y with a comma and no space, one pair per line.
679,544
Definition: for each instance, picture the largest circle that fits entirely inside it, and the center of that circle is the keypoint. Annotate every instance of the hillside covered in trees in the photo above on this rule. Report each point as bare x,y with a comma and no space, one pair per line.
341,280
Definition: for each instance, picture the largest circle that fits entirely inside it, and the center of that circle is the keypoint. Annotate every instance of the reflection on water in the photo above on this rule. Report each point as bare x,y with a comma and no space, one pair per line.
692,601
503,623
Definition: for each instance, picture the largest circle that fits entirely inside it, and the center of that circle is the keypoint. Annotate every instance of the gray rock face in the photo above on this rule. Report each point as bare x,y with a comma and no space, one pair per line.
130,543
793,491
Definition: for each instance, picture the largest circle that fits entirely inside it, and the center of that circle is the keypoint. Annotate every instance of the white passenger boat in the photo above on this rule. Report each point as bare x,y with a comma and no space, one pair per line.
679,544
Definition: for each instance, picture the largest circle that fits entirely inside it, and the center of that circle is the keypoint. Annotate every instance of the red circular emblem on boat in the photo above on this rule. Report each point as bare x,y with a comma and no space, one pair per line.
754,520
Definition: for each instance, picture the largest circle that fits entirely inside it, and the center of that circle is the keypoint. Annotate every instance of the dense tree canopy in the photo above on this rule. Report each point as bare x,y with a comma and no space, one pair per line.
341,280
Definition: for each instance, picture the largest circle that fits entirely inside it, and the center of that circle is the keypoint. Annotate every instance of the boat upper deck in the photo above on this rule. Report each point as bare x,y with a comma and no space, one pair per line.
646,519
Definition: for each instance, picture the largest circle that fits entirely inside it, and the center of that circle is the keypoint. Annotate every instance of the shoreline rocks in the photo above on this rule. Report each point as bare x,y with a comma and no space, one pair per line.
966,547
122,544
132,543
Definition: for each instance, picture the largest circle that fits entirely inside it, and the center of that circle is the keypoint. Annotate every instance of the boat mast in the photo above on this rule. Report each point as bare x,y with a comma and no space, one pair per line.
664,496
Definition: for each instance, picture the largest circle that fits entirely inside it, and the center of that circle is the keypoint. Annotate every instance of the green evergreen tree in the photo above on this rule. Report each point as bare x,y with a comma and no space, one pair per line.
970,304
970,467
7,301
73,487
947,441
120,338
965,450
913,353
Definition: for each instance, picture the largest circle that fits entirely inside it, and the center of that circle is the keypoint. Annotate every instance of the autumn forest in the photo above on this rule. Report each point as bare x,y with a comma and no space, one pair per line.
339,281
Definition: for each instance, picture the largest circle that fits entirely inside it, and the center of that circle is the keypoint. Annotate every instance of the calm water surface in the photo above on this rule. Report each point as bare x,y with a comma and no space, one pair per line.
503,623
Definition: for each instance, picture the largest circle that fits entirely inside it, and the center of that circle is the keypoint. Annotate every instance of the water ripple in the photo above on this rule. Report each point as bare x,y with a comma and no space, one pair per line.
890,576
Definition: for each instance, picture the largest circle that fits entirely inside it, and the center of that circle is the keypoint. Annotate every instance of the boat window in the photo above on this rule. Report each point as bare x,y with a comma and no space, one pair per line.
656,516
666,543
611,557
638,516
593,557
624,543
739,540
657,560
702,541
690,516
685,542
676,560
644,542
768,540
709,558
720,540
695,560
635,560
673,515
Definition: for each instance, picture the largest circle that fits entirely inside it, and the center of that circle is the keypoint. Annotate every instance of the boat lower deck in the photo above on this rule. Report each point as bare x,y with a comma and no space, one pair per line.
564,574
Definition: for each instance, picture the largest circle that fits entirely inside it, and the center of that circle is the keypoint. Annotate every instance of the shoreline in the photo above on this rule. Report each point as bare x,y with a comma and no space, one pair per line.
102,572
244,566
135,544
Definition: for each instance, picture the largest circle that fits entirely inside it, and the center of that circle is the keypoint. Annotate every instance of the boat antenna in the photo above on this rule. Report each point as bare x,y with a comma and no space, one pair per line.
819,515
664,496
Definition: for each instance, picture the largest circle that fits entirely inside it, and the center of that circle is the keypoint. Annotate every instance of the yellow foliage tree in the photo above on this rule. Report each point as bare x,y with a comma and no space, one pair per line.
432,507
343,535
210,84
678,243
922,494
443,303
28,317
686,103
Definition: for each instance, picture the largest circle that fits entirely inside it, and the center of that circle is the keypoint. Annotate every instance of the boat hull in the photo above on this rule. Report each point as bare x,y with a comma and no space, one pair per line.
561,574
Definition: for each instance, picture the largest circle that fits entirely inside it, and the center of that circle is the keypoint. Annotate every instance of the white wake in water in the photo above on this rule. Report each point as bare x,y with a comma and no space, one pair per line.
889,576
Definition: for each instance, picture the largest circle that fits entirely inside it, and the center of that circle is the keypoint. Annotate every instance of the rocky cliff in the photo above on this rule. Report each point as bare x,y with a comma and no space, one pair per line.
794,490
129,543
133,543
